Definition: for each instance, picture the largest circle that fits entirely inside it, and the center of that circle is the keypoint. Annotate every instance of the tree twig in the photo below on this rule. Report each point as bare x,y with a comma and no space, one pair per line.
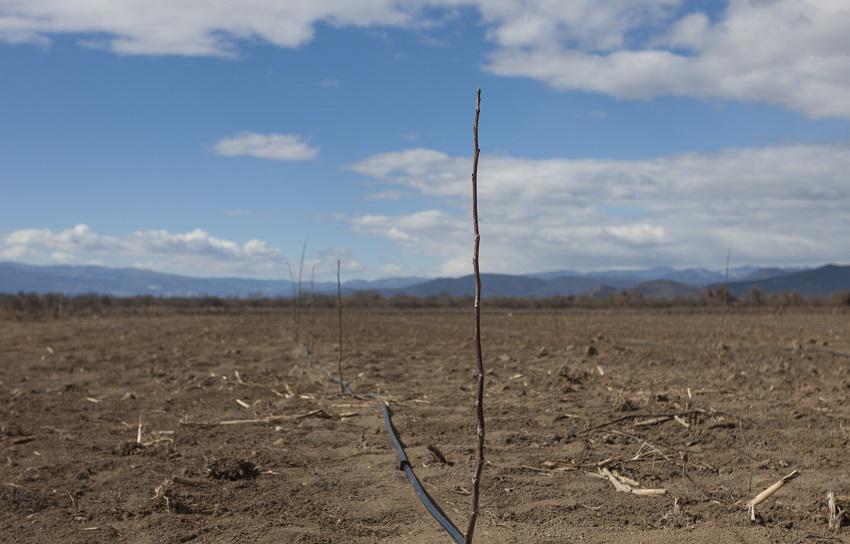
479,396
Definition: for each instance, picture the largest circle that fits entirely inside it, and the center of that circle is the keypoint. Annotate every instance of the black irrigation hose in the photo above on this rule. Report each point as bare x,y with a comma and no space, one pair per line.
404,464
344,384
827,351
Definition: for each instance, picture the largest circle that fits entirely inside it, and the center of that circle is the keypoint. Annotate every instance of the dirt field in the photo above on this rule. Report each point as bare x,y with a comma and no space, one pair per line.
73,391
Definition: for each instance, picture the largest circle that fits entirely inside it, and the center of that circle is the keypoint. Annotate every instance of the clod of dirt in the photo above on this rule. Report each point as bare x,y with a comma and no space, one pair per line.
591,351
543,352
572,375
232,469
128,448
22,501
625,405
439,456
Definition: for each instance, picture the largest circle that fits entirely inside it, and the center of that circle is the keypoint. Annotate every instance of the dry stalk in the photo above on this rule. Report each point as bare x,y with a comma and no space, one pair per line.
161,492
764,495
627,485
261,420
311,305
836,515
653,421
139,432
296,296
339,327
294,286
479,396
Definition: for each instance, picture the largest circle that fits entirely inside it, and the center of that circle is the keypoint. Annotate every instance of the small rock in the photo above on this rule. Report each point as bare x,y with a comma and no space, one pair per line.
625,405
591,351
232,469
128,448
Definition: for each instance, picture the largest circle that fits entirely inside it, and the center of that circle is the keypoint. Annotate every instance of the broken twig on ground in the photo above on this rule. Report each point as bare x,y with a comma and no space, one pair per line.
764,495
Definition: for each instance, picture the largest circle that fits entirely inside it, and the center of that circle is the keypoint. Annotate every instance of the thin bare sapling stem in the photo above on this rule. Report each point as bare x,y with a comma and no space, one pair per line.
476,337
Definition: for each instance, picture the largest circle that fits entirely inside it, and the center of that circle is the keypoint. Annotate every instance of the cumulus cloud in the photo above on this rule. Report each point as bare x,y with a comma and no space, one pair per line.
277,147
200,27
587,214
791,53
196,251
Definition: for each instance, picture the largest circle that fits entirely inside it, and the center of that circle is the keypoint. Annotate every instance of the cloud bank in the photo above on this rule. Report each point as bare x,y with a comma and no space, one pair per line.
590,214
790,53
186,252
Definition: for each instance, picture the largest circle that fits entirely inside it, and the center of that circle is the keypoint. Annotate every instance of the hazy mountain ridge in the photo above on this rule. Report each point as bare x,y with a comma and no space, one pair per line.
822,281
17,277
659,282
690,276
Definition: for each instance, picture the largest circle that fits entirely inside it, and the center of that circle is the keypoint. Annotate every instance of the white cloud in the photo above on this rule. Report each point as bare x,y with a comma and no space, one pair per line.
776,205
791,53
329,83
199,27
278,147
61,257
638,234
195,252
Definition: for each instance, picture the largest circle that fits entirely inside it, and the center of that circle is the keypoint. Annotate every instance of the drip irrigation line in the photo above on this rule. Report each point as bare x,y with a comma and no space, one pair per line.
404,464
346,389
827,351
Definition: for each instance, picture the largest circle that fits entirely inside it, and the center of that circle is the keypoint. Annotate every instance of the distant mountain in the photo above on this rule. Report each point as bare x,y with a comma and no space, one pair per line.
651,283
767,273
666,289
653,289
579,285
75,280
493,285
382,284
690,276
822,281
553,274
496,285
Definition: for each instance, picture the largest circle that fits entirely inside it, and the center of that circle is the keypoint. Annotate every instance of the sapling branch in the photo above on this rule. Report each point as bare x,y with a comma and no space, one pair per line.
479,360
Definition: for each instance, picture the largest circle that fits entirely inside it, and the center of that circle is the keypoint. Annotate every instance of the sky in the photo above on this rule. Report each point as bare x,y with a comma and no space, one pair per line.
214,138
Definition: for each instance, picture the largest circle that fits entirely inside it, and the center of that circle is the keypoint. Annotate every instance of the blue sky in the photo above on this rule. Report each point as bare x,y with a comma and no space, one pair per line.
614,134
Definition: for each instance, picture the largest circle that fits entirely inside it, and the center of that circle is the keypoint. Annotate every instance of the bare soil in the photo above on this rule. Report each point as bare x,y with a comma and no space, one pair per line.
565,391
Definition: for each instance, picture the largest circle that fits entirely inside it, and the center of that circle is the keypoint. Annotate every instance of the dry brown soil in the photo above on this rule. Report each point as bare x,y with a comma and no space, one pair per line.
767,398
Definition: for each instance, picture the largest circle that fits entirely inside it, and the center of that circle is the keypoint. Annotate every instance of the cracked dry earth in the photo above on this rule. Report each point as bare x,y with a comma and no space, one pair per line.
304,464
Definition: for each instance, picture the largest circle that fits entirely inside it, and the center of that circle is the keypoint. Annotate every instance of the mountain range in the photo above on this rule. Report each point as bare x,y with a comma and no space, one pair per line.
661,282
